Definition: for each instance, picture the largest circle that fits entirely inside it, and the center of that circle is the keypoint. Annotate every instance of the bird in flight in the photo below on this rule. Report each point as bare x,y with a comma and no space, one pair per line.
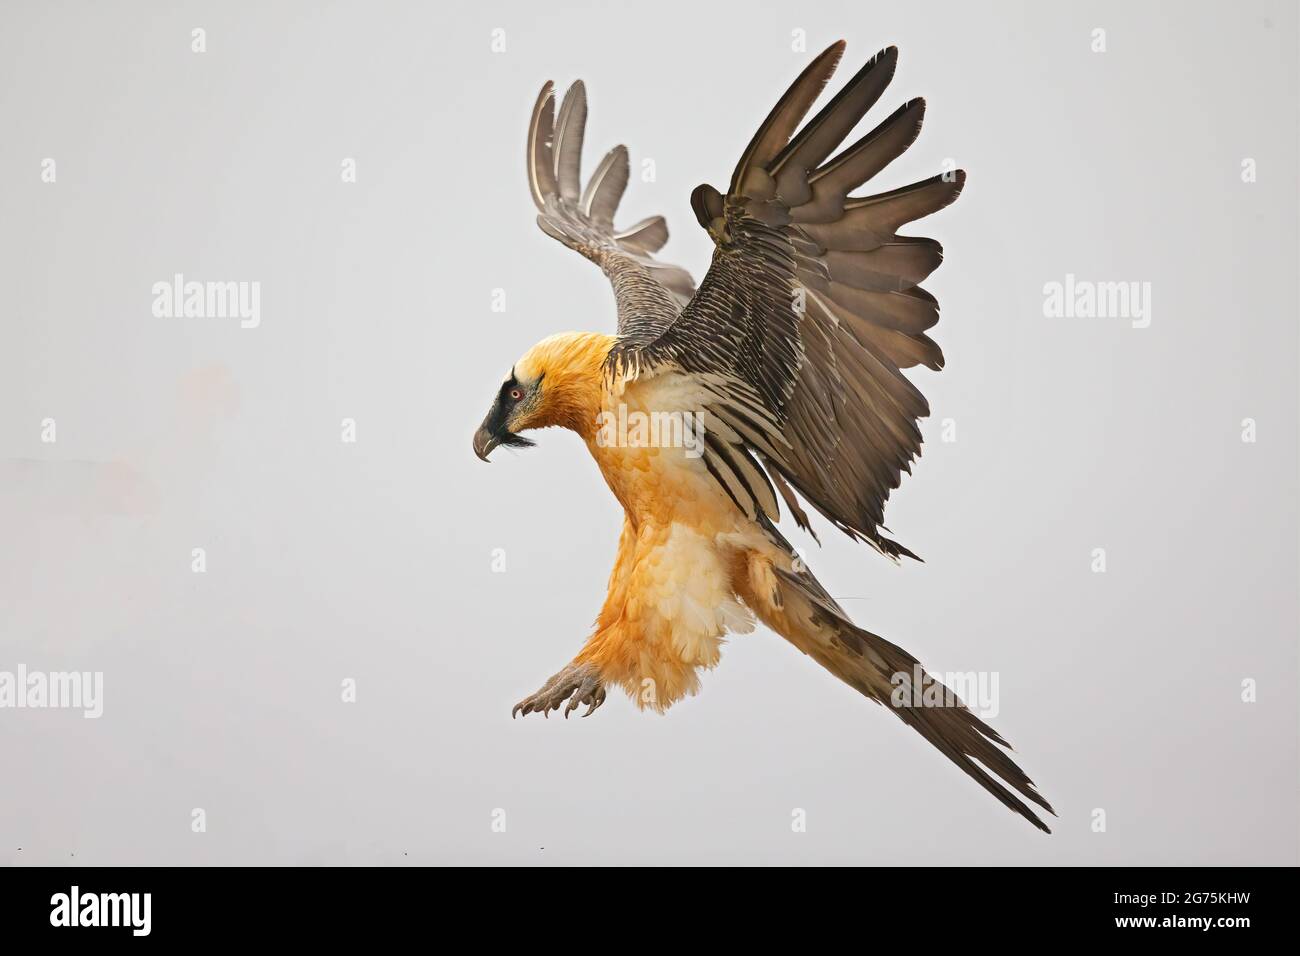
778,377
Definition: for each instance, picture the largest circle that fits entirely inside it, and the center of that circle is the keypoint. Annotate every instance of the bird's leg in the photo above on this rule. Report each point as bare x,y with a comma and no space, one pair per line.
577,684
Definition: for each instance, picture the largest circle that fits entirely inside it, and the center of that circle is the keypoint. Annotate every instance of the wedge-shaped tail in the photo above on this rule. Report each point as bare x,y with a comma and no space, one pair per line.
805,614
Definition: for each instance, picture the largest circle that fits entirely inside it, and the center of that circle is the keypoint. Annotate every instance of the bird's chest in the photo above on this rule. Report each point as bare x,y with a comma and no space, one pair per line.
649,444
660,484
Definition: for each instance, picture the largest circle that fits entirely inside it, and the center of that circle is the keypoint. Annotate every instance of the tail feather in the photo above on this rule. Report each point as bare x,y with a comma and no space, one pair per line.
807,616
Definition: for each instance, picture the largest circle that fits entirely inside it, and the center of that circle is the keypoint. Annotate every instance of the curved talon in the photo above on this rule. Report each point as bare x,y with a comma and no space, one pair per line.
577,684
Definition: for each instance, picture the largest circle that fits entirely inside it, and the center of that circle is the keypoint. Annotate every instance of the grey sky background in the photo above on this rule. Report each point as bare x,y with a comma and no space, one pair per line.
373,561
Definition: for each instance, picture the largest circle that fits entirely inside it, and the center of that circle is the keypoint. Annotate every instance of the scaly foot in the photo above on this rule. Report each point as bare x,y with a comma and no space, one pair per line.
577,683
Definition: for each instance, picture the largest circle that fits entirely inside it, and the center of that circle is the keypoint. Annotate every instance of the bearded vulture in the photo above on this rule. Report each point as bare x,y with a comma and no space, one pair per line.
777,380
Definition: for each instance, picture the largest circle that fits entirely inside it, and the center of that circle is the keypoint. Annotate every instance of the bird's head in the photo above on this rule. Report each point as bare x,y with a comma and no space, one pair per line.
556,382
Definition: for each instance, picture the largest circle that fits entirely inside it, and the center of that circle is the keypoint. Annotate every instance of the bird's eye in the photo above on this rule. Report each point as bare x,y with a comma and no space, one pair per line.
515,394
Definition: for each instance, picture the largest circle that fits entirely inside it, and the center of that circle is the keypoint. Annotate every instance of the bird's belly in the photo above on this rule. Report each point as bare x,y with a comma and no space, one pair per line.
671,607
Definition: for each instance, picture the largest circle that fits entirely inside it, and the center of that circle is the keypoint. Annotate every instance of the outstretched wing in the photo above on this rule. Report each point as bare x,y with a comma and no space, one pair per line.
649,293
811,308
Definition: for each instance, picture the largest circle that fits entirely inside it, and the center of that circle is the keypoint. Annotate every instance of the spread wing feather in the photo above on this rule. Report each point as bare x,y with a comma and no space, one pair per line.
649,293
812,308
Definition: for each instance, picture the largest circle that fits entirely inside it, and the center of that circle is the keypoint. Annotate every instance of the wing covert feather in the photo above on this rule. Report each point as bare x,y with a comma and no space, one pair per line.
812,307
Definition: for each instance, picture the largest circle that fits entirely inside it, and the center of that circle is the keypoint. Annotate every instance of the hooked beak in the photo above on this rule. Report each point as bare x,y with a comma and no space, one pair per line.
484,442
495,429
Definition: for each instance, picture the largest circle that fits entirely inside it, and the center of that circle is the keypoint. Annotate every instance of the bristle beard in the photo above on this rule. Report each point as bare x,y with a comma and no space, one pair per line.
511,440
